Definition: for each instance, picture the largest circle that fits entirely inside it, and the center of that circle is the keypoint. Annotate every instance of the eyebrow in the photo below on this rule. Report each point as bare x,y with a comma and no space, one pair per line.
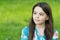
39,12
34,11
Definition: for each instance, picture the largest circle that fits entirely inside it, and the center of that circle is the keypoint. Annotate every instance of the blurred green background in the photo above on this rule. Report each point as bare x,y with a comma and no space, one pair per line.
16,14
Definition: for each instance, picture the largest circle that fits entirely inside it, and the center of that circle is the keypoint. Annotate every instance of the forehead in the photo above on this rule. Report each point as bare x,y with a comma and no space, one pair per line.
38,9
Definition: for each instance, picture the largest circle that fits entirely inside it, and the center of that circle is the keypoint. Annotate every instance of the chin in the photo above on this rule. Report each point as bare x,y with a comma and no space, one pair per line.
37,23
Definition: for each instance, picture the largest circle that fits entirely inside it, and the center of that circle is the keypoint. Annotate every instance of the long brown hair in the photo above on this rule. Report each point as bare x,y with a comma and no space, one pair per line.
48,23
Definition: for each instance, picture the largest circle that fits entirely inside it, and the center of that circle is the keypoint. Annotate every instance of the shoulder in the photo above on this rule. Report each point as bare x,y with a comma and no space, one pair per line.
55,36
25,33
25,30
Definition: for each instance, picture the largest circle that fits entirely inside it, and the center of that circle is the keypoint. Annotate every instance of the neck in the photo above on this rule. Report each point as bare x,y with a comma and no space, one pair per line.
41,29
40,25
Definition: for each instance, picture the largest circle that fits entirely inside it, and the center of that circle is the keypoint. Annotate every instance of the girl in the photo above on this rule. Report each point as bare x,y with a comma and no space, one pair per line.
41,24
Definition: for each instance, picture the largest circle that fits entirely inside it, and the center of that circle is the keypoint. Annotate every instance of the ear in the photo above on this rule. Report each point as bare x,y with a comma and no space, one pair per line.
47,18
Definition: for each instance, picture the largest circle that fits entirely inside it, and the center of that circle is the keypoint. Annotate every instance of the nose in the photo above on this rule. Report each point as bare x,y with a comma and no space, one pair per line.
37,16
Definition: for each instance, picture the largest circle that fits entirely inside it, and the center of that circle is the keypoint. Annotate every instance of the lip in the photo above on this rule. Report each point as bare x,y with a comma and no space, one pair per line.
37,20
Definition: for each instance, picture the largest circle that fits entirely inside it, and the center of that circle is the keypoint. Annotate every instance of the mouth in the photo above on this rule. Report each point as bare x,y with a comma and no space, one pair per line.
37,20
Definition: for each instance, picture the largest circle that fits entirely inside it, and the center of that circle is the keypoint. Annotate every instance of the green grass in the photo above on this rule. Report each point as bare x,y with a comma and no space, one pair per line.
15,15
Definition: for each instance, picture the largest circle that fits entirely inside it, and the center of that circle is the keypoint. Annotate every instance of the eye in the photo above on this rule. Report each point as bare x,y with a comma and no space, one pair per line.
34,13
41,14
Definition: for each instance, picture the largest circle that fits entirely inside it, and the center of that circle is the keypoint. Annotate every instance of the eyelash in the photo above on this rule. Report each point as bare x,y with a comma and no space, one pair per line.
34,13
40,14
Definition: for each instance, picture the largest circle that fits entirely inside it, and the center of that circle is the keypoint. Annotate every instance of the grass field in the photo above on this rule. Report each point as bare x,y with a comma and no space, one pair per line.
15,15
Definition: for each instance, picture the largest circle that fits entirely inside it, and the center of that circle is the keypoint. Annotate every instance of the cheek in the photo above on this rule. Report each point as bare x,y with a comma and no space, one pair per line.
34,16
42,18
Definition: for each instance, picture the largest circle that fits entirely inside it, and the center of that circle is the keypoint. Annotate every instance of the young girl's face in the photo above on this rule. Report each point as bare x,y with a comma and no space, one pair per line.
39,16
